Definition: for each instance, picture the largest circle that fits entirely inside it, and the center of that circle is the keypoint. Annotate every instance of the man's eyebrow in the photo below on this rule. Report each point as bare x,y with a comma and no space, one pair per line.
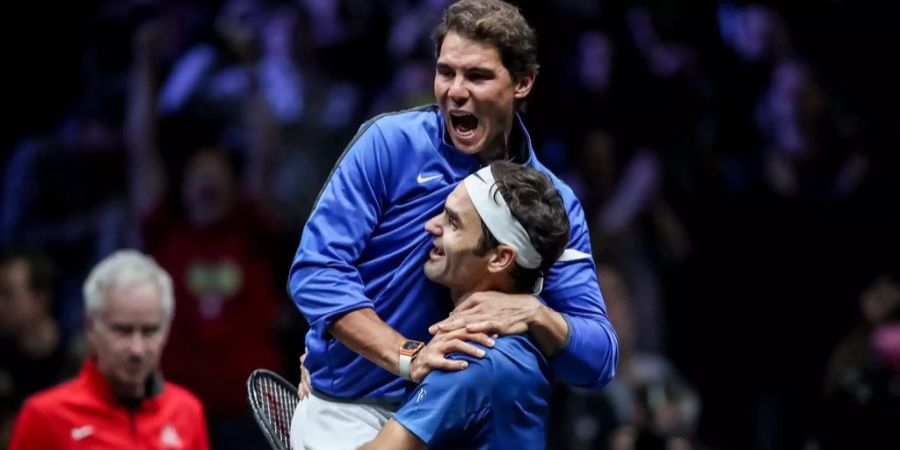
483,71
479,70
453,216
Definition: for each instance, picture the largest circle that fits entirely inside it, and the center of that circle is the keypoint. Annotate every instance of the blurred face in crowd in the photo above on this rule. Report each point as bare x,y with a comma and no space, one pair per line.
880,300
755,32
209,187
477,96
128,336
20,306
456,233
238,22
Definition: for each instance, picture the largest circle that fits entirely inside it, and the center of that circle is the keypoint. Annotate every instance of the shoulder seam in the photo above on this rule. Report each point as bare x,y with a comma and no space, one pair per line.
365,127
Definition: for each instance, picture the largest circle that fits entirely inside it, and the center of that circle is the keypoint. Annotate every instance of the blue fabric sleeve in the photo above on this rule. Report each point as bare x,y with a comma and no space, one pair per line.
324,281
591,350
447,403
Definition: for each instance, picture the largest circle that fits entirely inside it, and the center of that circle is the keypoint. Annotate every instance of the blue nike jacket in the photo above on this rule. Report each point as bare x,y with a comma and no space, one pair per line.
364,246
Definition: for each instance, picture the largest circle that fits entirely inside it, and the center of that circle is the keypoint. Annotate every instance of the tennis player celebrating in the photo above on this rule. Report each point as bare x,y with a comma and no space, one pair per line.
357,275
497,225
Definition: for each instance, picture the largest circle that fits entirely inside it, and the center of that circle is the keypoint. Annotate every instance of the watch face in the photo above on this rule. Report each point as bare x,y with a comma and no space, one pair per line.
410,345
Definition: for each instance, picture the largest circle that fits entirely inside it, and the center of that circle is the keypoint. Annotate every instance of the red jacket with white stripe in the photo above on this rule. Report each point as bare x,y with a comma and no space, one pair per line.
83,413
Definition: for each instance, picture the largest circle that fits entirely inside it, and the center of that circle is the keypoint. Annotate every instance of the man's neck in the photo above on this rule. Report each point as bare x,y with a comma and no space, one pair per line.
511,148
487,284
128,394
458,295
497,152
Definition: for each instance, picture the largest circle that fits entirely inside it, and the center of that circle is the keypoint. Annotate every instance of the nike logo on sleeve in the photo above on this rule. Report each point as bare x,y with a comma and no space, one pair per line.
423,180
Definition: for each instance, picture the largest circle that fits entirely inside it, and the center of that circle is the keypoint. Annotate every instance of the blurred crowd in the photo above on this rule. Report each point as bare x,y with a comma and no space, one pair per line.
737,161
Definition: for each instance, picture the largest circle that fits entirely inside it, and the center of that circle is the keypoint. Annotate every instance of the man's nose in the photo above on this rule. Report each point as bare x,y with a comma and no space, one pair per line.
137,343
458,92
432,225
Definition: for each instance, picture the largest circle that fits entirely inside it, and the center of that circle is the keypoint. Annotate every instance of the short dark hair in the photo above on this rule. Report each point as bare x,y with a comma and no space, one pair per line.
41,271
497,23
534,201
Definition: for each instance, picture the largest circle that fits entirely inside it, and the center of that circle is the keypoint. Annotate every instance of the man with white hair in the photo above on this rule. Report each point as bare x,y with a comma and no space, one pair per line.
119,400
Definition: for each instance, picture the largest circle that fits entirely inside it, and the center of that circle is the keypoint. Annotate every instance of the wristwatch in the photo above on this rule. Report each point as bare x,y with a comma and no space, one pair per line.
408,351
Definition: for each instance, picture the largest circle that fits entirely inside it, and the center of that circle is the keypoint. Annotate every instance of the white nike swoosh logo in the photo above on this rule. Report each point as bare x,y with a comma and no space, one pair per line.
82,432
422,179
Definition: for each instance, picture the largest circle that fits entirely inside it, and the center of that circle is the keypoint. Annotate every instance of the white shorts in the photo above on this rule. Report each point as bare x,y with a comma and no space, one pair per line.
321,424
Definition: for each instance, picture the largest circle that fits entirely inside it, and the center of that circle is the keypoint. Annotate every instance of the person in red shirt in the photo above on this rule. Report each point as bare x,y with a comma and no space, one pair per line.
216,232
119,400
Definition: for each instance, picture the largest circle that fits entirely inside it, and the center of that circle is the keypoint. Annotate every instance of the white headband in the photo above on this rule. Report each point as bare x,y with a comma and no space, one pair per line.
496,216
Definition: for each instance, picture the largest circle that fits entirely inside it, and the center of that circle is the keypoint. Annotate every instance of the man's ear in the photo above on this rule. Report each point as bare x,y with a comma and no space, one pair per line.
90,329
524,85
502,258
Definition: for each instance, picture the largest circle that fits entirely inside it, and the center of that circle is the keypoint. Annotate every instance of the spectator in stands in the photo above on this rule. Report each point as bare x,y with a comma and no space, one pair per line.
32,347
647,402
862,401
119,400
803,154
216,238
647,392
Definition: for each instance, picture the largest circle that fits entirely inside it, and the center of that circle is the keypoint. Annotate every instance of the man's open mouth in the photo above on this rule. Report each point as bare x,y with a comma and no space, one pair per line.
436,253
464,124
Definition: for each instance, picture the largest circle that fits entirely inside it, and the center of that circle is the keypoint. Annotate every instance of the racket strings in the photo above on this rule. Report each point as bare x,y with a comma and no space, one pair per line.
276,402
